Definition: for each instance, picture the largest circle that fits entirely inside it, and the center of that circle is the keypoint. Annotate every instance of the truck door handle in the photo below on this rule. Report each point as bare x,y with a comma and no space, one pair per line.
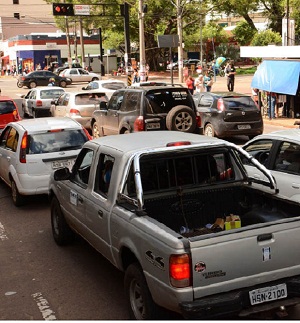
80,199
264,237
100,213
295,185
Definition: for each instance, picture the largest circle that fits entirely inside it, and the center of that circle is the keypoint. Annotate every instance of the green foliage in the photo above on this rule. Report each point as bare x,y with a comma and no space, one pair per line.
243,33
265,38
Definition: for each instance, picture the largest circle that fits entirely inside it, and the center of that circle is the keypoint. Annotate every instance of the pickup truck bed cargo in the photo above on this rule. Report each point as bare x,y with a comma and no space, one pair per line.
161,221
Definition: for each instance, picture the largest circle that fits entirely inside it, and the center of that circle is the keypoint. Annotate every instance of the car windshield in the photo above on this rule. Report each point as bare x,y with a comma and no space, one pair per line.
6,107
163,100
51,94
53,141
244,102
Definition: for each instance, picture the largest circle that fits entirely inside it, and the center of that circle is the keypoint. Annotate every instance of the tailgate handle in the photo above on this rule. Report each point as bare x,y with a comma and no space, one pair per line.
264,237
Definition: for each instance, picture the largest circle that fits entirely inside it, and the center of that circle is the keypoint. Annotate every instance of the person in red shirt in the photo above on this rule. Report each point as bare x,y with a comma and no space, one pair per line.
190,83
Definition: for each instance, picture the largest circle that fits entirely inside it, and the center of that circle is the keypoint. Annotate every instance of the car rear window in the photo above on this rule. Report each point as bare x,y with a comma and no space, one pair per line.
53,141
51,94
90,98
113,86
6,107
244,102
163,100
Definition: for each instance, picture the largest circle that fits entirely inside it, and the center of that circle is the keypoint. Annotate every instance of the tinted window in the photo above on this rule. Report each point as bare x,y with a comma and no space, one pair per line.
6,107
206,101
244,102
116,101
48,142
132,100
260,150
104,171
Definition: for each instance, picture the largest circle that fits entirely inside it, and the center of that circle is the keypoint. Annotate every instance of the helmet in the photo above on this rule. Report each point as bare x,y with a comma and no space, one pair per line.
52,79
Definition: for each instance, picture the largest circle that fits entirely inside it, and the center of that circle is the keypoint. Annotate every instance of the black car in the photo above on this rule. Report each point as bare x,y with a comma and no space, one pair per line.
42,78
146,108
226,114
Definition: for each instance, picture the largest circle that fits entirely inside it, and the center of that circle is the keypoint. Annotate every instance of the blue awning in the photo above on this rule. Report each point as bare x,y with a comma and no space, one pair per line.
277,76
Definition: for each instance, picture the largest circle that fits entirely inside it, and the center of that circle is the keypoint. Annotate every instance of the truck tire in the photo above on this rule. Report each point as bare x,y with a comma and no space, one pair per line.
181,118
61,231
209,130
139,299
17,198
96,132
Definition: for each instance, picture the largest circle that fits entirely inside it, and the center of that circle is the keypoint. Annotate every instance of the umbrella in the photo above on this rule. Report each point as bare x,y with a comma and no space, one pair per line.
220,61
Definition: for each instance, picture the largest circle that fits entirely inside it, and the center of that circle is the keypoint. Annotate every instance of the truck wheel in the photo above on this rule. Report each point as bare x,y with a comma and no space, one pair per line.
61,231
17,198
209,130
139,300
181,118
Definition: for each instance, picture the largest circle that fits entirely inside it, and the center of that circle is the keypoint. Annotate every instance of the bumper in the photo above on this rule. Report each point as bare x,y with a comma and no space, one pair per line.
238,303
32,185
231,129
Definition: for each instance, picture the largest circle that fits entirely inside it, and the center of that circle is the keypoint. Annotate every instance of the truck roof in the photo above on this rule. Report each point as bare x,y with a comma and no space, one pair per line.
153,139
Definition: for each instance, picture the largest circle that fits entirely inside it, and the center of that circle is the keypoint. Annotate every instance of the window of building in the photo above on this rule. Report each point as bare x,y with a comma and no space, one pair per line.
15,1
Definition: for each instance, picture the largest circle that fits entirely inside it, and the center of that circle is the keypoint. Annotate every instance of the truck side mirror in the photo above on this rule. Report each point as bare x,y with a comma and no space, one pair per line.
62,174
103,105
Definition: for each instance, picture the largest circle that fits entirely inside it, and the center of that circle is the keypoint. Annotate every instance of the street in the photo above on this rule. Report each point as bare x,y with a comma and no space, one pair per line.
42,281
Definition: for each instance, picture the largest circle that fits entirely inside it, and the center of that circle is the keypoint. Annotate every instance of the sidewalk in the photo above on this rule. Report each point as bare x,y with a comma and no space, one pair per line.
242,85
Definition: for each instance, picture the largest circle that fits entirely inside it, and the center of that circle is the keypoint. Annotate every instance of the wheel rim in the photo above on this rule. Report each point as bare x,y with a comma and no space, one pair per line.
208,131
96,133
63,84
183,121
136,300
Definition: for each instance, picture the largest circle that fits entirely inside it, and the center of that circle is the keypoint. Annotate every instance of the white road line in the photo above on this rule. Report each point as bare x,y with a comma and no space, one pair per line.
3,236
44,307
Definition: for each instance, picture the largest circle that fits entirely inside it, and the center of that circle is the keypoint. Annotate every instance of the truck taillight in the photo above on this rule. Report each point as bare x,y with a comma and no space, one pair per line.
39,103
23,148
180,273
220,105
198,121
139,124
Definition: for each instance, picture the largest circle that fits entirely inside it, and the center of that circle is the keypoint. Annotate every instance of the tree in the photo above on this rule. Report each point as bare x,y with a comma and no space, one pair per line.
243,33
266,37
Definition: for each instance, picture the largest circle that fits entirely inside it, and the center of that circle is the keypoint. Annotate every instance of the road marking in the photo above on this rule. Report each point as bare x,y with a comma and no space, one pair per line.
3,236
44,307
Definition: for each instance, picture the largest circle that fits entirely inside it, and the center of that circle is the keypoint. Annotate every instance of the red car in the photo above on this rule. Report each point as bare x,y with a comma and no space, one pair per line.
8,111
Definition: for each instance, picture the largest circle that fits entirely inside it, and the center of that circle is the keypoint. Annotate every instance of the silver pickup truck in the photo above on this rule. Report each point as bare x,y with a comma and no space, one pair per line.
179,215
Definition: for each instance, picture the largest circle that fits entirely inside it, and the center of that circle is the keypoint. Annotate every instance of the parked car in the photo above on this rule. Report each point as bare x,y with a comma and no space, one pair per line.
146,108
37,102
31,149
107,86
226,114
8,111
279,152
187,62
78,106
79,75
65,66
42,78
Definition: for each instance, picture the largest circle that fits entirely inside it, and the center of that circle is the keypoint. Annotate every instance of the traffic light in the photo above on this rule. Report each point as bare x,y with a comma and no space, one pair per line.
63,9
102,51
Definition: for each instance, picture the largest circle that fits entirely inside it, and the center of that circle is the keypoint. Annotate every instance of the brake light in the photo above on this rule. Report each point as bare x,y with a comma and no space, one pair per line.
87,134
39,103
179,270
23,148
220,105
178,143
198,121
16,115
139,124
74,111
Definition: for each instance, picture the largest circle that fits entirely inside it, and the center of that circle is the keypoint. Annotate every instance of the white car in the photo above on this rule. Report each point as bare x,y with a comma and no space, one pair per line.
78,106
278,151
37,101
107,86
31,149
79,75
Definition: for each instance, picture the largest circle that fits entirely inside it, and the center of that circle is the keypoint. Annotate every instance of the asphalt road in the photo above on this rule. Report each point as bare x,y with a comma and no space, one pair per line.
41,281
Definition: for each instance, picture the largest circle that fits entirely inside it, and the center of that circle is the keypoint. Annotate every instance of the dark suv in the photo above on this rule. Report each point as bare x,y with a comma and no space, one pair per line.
146,109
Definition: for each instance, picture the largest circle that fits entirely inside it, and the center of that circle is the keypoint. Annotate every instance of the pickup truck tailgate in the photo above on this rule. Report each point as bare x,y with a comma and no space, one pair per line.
245,258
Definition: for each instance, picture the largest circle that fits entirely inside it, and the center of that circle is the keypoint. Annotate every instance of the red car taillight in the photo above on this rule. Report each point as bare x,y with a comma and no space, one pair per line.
198,121
139,124
180,270
23,148
220,105
74,111
39,103
16,115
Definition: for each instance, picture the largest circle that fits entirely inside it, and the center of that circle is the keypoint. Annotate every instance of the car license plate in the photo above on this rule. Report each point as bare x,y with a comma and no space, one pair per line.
244,126
151,126
62,163
267,294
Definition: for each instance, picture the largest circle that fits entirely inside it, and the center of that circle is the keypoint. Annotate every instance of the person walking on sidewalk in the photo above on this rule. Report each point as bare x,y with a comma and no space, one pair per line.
190,83
272,99
230,74
207,81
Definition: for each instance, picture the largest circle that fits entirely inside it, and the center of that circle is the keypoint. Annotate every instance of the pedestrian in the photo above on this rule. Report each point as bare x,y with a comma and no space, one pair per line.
207,81
199,83
272,99
135,76
185,73
190,83
230,74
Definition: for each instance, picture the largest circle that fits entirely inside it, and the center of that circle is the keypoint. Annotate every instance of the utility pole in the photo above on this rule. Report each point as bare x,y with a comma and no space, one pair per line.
201,38
68,42
82,43
180,49
142,42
